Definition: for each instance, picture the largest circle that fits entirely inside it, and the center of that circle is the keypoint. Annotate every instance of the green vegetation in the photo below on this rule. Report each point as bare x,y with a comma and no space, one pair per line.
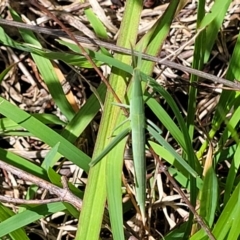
170,139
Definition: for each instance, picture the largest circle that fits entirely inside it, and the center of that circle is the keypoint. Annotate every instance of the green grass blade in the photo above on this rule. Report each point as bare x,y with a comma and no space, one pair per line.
227,99
183,179
72,59
167,121
29,216
234,231
198,58
230,131
232,174
225,226
167,146
188,149
48,160
55,178
84,116
212,21
97,25
230,213
209,197
153,39
7,124
22,163
45,133
68,58
92,211
19,233
209,26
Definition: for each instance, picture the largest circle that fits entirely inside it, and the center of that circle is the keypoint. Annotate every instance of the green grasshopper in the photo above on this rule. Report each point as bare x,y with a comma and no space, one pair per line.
137,119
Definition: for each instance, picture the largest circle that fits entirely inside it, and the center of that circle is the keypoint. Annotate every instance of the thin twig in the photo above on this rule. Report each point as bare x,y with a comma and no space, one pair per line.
234,85
25,201
199,219
63,194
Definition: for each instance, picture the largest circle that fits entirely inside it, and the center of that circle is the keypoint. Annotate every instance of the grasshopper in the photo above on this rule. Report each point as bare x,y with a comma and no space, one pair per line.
137,117
137,127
